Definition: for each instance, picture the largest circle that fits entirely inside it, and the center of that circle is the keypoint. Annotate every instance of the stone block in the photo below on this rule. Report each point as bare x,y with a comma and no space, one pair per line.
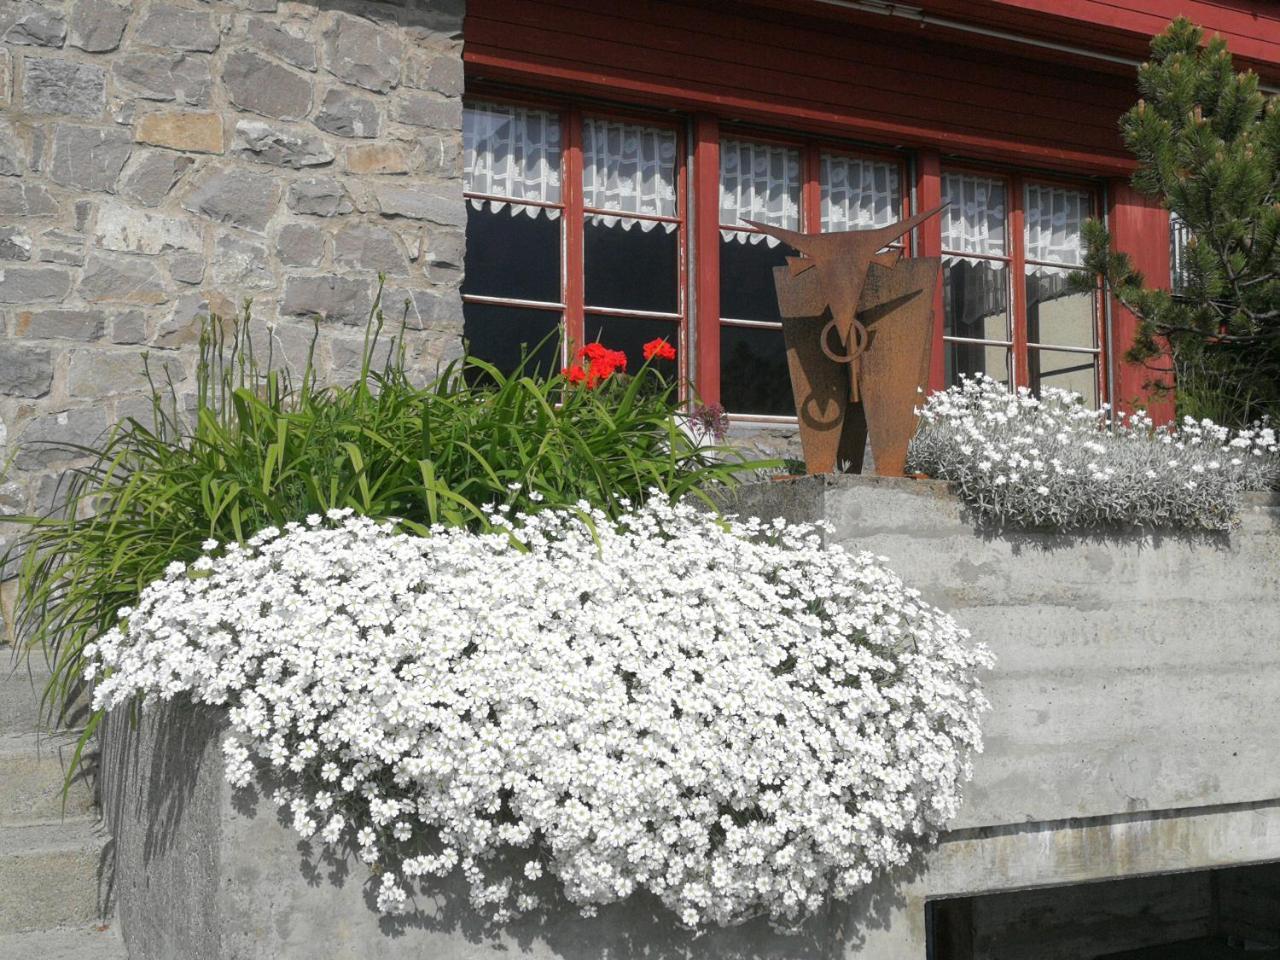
62,246
240,264
179,28
123,228
362,53
89,158
93,373
288,41
6,76
429,202
363,246
150,175
33,24
441,247
346,114
429,110
11,164
435,310
377,158
19,198
300,245
111,278
97,25
129,326
263,86
442,155
187,266
182,130
339,299
178,77
15,244
319,197
280,146
61,324
43,440
30,284
63,86
240,198
26,370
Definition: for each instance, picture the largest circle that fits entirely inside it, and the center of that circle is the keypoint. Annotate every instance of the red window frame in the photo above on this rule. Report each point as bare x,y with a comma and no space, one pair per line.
1016,182
573,307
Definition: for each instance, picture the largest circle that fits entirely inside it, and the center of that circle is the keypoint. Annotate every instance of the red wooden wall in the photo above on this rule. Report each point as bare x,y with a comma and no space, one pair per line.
851,76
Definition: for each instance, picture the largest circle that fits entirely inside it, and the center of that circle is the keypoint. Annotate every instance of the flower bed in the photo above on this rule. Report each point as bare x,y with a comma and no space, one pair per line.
1052,462
734,717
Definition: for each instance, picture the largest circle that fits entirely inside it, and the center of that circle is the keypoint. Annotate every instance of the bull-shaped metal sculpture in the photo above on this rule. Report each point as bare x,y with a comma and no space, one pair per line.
880,309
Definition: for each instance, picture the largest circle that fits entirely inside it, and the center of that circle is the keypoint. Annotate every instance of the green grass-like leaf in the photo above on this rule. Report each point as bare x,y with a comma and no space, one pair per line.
261,448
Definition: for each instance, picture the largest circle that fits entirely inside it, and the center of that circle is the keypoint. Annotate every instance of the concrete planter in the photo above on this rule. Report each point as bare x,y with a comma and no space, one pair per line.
1133,734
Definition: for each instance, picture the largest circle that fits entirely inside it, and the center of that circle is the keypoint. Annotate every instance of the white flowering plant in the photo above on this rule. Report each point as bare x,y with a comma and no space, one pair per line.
1051,461
738,717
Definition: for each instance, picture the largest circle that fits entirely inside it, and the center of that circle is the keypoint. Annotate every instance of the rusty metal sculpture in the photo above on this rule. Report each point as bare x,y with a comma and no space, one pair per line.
880,309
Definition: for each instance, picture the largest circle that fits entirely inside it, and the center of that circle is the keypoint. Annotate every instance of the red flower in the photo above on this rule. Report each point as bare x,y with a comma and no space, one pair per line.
598,363
574,374
659,348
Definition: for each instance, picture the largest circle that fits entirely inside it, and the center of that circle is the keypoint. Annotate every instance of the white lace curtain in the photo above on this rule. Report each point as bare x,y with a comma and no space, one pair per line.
514,152
631,169
758,181
858,194
975,220
1055,217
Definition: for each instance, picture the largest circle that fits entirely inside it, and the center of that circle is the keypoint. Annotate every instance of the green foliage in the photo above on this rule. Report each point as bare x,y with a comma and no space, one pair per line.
1207,142
261,448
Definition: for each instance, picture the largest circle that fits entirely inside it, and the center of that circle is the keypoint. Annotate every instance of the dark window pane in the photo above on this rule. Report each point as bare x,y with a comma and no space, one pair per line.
632,265
753,371
1066,371
630,334
975,299
971,359
1055,314
511,254
746,277
503,336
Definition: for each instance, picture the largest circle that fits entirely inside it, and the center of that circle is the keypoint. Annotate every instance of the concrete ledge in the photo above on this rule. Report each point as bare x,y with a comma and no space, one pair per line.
1132,734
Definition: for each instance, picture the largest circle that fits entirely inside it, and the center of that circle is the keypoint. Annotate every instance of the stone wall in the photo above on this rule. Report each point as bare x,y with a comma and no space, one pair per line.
160,160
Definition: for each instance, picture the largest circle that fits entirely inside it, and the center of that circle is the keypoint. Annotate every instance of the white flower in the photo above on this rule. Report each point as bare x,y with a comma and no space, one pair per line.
631,679
1113,469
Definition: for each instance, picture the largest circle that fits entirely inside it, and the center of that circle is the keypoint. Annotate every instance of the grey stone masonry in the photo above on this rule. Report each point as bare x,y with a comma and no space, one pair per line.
164,159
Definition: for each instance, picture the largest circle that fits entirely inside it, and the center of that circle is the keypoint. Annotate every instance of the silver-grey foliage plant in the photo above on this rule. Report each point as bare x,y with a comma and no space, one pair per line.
1052,462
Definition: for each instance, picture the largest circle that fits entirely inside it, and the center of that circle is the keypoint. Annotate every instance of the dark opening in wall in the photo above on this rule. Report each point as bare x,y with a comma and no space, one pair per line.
1204,915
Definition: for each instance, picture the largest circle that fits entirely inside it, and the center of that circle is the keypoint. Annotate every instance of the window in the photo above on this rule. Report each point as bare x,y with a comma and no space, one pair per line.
791,187
600,251
1037,333
512,289
577,221
761,182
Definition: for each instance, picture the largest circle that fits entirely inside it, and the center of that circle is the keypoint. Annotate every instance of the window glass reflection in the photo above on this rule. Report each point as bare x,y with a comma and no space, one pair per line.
513,252
746,277
975,298
632,264
1055,314
504,336
1065,370
972,359
753,371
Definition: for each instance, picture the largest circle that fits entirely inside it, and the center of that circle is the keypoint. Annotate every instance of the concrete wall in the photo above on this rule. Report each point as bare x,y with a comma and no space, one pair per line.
1132,735
160,159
